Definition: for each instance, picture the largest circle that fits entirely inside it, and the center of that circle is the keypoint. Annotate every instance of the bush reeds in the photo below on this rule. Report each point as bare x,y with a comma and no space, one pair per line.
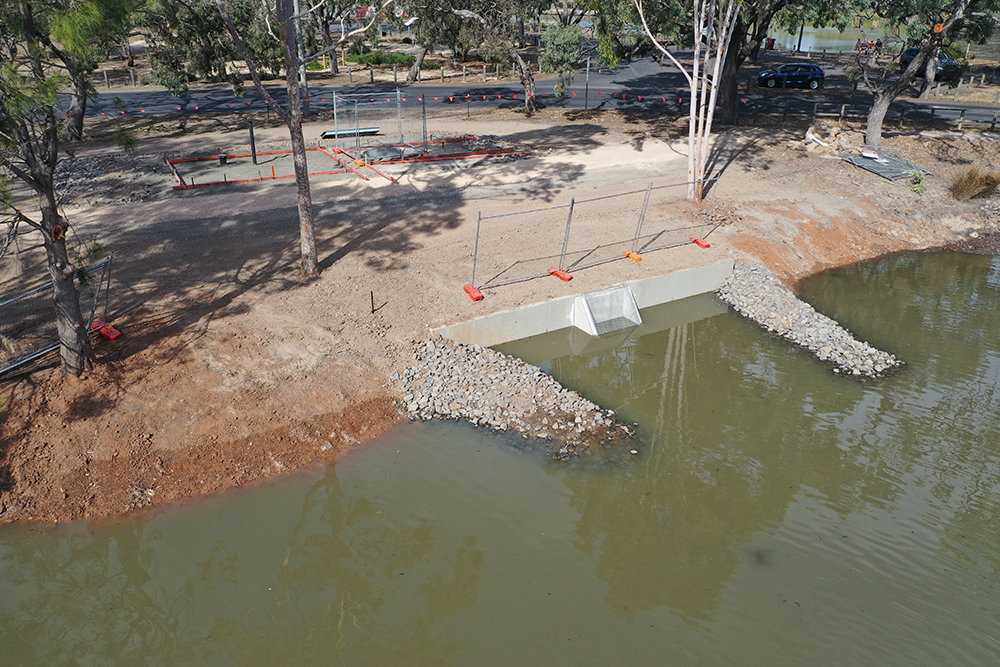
974,182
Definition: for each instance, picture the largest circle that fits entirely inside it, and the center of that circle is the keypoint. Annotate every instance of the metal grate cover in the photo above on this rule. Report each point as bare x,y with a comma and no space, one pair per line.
612,309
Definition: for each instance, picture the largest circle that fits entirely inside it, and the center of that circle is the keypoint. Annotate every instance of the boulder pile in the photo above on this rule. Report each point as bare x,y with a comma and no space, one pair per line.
457,381
755,293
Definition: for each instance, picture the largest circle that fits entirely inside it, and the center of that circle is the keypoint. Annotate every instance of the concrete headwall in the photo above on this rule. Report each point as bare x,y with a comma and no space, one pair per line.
554,315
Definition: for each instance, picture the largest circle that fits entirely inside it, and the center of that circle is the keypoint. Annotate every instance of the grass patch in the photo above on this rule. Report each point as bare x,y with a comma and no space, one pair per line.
974,182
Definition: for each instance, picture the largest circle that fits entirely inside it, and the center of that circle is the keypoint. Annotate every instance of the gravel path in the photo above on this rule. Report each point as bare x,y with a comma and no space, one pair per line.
756,294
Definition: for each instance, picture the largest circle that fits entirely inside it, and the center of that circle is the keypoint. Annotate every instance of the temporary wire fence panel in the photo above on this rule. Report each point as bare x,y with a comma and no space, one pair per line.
518,246
376,119
671,219
602,228
585,232
28,320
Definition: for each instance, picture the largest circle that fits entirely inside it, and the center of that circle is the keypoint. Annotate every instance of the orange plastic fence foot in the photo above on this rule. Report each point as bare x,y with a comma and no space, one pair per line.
631,254
473,292
105,330
560,274
701,243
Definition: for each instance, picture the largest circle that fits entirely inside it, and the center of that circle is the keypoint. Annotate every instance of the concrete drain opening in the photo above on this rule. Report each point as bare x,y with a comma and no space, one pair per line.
606,311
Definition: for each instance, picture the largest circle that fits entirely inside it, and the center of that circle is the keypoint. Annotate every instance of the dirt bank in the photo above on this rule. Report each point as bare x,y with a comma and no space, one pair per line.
234,368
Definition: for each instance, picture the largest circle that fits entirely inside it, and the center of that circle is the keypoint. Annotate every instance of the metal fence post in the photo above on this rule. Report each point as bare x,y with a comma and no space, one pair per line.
475,253
961,119
336,138
357,127
423,110
708,211
993,123
642,217
569,222
399,114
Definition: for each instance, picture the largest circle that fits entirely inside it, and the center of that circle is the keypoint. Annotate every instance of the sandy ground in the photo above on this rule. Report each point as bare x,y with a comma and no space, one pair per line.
233,367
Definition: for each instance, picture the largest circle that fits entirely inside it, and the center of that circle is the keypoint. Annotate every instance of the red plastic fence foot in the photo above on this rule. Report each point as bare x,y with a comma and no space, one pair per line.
473,292
105,330
701,243
560,274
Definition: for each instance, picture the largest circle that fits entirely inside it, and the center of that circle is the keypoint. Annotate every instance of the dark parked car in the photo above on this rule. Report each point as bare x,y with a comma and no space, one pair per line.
792,74
946,65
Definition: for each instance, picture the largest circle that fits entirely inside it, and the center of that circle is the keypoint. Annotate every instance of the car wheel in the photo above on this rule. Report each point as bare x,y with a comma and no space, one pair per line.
814,84
771,83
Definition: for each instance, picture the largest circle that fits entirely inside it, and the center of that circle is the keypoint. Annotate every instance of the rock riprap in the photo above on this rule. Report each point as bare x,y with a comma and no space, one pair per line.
457,381
755,293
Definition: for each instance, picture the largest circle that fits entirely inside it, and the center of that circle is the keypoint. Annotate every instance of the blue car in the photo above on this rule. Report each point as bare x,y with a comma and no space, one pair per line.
946,65
792,75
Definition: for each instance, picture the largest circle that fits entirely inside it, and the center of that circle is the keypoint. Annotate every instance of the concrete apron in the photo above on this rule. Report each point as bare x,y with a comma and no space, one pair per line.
541,318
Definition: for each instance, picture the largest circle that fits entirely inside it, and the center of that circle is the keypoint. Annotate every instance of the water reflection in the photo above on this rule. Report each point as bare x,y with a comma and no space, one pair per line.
252,587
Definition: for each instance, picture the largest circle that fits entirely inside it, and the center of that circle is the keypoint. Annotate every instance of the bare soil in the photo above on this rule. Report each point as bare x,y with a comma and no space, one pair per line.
233,367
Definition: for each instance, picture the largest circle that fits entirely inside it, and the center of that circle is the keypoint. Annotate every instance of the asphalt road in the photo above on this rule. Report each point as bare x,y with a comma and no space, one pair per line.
643,84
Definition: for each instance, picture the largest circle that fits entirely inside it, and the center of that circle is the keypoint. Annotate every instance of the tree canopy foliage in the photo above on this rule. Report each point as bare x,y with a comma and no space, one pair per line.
43,43
192,42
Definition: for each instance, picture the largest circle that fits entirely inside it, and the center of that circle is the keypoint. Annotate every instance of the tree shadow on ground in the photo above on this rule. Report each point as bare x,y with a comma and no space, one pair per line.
173,279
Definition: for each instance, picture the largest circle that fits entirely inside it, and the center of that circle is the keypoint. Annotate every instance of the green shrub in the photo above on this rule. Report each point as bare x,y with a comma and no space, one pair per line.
430,64
315,66
407,40
974,182
382,58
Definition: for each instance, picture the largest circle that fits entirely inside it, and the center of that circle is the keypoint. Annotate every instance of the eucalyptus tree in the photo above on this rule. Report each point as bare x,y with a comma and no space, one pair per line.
190,42
753,24
33,72
498,20
562,51
712,22
929,23
80,36
281,18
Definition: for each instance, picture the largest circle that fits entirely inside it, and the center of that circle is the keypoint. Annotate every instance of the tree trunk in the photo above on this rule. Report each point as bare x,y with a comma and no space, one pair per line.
77,108
729,85
74,341
930,74
876,116
415,69
307,239
524,73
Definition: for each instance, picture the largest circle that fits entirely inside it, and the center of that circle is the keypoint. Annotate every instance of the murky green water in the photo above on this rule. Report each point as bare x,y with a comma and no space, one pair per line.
775,515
